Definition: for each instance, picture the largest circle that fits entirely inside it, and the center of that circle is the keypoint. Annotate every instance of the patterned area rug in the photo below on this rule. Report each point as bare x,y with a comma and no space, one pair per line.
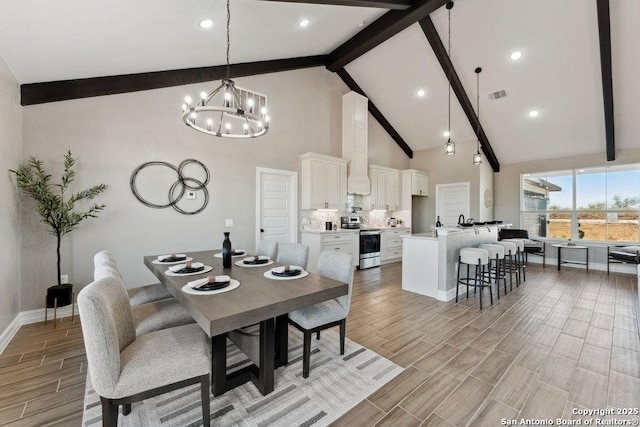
336,384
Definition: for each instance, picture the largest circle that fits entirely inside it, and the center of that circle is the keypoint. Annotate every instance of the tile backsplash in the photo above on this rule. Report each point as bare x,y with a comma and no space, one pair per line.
312,220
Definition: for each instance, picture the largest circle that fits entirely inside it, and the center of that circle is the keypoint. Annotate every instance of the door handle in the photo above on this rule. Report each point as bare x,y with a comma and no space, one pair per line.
262,230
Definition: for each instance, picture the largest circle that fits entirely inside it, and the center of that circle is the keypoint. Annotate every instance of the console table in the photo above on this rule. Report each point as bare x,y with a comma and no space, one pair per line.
571,247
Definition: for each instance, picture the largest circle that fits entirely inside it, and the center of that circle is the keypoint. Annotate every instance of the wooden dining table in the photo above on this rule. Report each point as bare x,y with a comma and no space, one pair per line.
257,301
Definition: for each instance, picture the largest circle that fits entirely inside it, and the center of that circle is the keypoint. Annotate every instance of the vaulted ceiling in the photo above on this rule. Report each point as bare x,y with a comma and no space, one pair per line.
389,54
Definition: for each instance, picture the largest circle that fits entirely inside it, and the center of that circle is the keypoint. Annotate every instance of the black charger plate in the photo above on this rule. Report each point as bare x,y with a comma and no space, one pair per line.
257,262
189,270
212,286
289,273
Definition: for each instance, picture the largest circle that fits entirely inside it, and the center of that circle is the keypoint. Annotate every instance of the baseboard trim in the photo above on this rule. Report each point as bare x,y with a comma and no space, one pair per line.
37,315
8,334
28,317
446,295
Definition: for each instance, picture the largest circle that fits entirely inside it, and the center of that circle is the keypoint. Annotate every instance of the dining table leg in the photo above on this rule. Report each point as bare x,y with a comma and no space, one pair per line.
219,364
266,369
282,340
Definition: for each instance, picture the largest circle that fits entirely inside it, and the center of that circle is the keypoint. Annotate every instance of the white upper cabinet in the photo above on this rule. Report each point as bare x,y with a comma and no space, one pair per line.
417,180
323,181
385,189
355,125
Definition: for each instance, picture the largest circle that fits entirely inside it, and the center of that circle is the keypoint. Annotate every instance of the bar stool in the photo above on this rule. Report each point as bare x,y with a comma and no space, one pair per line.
510,252
480,259
519,257
497,270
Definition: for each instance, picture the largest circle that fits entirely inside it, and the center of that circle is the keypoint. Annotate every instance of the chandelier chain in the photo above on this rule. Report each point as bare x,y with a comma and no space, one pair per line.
228,37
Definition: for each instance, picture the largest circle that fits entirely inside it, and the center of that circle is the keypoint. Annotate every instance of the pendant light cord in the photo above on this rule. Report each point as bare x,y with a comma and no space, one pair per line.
478,104
228,38
449,74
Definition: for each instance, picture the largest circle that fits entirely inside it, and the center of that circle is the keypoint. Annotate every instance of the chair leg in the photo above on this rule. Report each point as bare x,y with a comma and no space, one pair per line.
478,278
204,395
126,409
109,413
343,330
318,335
306,354
458,280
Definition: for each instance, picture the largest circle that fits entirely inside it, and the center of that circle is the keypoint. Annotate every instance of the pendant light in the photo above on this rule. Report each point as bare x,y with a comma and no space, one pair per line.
450,146
228,111
477,158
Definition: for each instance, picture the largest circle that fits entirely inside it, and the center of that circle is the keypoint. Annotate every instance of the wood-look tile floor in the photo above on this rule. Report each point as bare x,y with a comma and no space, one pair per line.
560,341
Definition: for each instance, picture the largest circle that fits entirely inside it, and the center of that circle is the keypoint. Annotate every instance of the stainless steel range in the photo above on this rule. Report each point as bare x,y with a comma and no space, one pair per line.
369,241
369,248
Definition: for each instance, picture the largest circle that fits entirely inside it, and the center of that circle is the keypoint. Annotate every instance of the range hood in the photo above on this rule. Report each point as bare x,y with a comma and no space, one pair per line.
355,126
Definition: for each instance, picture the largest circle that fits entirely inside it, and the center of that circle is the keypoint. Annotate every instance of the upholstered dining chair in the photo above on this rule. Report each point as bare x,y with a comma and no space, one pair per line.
149,317
126,368
294,254
327,314
267,248
141,294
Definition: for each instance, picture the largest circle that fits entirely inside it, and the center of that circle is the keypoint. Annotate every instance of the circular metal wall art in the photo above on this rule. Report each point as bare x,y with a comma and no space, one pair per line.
178,188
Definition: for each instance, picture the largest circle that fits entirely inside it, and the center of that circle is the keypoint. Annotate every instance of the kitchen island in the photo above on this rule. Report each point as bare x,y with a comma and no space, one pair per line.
429,264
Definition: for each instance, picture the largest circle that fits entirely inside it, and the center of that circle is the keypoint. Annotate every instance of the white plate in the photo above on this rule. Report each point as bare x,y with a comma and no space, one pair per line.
157,261
206,269
233,283
219,254
242,264
270,275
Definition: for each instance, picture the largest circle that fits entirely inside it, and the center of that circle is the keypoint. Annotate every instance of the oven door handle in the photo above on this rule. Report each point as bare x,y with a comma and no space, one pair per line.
370,233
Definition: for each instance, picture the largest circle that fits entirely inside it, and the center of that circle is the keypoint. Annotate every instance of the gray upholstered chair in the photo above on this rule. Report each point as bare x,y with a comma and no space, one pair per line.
268,248
294,254
327,314
149,317
141,294
124,368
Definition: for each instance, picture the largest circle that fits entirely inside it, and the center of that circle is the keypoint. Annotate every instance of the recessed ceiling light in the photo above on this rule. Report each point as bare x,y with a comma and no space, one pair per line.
303,23
420,93
446,134
534,113
206,23
515,55
362,24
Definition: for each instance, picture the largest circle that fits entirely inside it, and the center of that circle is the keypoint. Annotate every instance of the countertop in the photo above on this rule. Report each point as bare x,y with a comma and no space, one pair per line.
353,230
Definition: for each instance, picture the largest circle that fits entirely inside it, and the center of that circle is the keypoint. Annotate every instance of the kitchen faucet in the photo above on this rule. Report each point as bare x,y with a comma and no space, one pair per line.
461,219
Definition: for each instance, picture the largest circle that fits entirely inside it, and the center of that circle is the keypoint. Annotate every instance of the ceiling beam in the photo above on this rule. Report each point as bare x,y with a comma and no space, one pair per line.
39,93
348,80
380,30
604,34
382,4
443,58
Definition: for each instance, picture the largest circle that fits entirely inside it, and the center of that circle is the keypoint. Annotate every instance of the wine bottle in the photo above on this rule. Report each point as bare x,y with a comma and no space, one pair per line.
226,251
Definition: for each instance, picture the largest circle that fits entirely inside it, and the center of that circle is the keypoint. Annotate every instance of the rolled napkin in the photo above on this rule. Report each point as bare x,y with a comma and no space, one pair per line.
286,270
189,267
236,252
211,283
256,259
172,258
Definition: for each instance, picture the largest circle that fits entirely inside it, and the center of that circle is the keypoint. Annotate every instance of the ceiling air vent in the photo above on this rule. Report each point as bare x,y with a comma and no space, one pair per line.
497,95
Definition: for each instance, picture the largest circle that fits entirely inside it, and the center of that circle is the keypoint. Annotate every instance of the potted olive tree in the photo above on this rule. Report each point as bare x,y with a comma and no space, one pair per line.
58,211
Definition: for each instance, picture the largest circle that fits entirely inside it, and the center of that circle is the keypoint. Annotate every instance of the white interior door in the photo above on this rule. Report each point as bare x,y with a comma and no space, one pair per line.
276,205
451,201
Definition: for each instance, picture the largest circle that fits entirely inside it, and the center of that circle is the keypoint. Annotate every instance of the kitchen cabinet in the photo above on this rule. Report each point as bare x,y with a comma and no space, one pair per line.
385,189
323,182
355,116
341,241
391,244
417,182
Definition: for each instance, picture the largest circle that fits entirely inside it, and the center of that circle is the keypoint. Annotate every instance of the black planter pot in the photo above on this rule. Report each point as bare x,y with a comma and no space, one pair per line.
64,294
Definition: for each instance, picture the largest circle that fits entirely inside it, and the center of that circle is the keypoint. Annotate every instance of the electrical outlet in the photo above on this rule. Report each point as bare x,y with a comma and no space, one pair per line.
229,223
64,278
191,195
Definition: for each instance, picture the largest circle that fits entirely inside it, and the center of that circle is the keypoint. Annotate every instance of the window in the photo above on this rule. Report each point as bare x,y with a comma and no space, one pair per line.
598,204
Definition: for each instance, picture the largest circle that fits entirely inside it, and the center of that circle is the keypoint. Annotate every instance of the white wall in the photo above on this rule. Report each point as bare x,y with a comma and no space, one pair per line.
112,135
443,170
11,148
